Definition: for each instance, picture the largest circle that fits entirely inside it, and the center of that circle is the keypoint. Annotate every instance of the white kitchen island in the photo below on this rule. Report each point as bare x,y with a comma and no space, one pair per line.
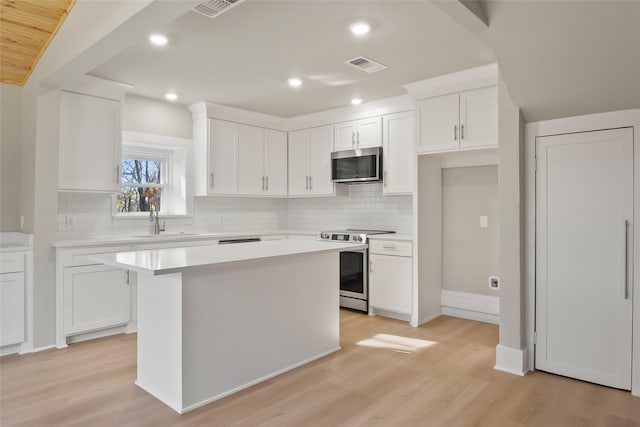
213,320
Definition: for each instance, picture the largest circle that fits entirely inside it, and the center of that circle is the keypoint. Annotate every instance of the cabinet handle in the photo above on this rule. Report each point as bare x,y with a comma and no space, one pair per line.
306,183
310,183
358,137
117,174
626,259
388,246
370,266
126,274
267,181
211,179
384,179
353,139
263,183
455,132
461,132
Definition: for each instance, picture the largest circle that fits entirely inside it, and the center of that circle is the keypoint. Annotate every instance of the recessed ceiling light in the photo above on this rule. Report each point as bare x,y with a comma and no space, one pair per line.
171,96
356,101
359,28
158,39
295,82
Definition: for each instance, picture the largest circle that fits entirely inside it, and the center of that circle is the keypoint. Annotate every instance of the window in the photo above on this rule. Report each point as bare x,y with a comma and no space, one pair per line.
153,173
142,183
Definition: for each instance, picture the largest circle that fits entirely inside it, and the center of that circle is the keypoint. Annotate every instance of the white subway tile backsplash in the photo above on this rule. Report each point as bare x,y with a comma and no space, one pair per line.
364,206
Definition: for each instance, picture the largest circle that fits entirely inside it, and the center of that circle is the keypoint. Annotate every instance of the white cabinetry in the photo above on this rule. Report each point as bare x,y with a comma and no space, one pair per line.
215,147
262,161
310,162
398,153
90,143
12,308
390,276
463,120
362,133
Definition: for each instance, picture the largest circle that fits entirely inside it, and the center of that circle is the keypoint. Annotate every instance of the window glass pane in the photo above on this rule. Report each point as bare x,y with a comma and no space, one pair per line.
141,171
138,199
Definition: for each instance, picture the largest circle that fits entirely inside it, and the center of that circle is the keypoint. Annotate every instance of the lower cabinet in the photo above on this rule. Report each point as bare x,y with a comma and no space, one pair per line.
95,297
11,308
390,276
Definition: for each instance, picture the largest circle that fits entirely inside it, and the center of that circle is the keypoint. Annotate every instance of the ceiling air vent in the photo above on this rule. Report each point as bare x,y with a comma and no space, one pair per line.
366,64
213,8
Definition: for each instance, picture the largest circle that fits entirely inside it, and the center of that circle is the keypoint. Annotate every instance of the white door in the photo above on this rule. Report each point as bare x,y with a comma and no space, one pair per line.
320,143
479,117
369,132
398,155
223,157
439,123
299,162
251,177
390,279
11,308
275,162
95,297
583,261
344,136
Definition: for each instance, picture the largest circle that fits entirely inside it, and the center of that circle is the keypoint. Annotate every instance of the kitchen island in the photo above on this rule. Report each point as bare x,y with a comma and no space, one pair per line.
213,320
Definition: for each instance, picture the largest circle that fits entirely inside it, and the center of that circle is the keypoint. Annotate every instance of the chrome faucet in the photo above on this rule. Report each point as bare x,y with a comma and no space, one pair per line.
156,222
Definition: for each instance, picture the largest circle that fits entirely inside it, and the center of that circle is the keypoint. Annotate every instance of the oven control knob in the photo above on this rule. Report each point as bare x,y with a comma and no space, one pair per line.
358,238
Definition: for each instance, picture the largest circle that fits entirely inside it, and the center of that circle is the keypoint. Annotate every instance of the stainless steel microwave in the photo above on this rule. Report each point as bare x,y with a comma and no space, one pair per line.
356,166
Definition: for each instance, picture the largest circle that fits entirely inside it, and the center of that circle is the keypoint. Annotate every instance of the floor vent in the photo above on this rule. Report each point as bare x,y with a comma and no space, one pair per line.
213,8
366,64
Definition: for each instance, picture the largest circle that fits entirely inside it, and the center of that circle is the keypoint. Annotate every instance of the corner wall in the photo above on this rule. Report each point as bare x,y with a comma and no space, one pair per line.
10,104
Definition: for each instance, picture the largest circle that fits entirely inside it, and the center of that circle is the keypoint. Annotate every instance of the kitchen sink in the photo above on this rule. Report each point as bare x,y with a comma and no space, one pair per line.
148,236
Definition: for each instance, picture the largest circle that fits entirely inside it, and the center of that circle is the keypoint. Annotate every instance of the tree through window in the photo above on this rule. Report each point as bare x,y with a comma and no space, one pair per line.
142,183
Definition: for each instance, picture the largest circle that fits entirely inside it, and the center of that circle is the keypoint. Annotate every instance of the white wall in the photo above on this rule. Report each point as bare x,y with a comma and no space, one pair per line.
10,104
363,206
470,254
146,115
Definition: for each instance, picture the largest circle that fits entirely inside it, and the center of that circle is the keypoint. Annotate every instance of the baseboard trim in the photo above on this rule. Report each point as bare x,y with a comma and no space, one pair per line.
390,314
429,318
510,360
482,308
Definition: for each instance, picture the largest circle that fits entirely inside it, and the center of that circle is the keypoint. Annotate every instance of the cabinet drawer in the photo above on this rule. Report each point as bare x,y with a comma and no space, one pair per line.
78,257
390,247
11,262
170,245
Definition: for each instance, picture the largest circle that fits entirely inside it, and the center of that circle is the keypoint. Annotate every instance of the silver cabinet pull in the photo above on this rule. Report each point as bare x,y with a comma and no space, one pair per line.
384,179
370,266
263,183
388,246
353,139
267,183
306,182
117,174
358,137
211,179
455,132
626,259
310,183
461,132
126,277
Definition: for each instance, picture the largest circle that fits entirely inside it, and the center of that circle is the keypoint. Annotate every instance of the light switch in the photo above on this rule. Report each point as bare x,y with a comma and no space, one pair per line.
484,221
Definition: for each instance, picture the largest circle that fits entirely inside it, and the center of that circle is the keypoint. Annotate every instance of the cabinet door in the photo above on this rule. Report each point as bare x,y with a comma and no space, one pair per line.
251,176
11,308
439,129
275,162
369,132
223,157
479,117
399,153
95,297
344,136
90,143
320,143
299,162
390,279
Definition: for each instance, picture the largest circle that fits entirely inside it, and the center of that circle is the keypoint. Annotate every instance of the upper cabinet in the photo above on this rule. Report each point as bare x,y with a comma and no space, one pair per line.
262,164
310,162
463,120
90,146
357,134
398,153
215,147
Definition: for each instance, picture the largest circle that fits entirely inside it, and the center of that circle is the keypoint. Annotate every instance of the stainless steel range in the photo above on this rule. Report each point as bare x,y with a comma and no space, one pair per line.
354,267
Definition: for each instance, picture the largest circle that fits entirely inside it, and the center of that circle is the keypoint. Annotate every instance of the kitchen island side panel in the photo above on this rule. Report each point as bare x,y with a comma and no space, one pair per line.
246,322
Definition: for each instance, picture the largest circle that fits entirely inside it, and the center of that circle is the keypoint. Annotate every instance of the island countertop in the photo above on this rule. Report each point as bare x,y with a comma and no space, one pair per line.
172,260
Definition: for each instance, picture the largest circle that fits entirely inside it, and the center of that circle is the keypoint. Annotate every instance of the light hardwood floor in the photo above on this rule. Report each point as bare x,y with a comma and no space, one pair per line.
387,374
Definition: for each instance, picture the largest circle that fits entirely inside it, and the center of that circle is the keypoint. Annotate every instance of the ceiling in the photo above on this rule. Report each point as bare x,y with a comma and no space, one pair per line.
26,29
244,57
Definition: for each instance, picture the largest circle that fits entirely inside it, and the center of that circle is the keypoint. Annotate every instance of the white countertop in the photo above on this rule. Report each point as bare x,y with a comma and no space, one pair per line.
15,241
173,237
165,261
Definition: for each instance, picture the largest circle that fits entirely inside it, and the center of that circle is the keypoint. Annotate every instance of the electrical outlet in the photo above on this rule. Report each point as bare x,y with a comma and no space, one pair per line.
494,282
484,221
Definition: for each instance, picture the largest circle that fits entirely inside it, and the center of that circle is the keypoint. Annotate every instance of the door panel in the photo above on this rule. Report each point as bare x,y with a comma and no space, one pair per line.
584,196
275,162
369,132
298,162
223,157
479,117
439,119
320,160
251,160
345,136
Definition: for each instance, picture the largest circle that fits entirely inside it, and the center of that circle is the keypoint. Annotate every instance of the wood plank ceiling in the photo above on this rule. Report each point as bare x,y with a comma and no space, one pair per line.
26,29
